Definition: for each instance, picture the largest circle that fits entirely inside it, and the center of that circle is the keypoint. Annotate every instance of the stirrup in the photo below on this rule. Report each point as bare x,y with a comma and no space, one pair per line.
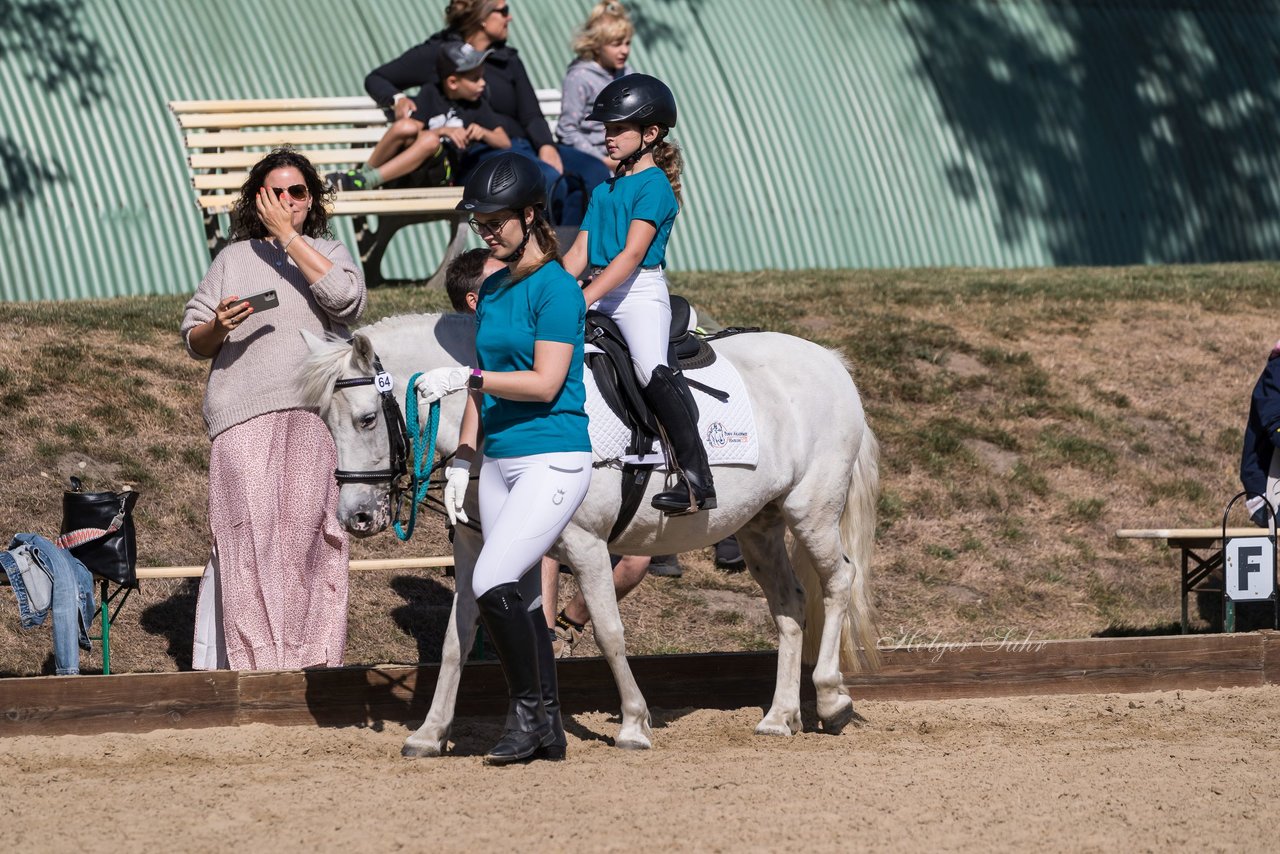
692,506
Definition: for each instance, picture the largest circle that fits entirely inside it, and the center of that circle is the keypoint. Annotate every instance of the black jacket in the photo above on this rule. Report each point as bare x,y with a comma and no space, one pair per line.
507,86
1262,434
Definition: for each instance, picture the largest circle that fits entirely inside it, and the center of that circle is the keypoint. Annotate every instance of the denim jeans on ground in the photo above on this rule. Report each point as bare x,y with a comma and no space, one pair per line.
72,604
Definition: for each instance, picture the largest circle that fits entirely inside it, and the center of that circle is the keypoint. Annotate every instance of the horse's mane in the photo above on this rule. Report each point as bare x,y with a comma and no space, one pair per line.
324,367
321,369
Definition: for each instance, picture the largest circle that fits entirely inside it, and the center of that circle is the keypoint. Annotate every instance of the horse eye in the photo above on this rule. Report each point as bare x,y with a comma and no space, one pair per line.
367,421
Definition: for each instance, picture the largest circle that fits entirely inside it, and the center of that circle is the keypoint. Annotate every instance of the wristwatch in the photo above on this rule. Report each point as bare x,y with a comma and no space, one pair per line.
476,380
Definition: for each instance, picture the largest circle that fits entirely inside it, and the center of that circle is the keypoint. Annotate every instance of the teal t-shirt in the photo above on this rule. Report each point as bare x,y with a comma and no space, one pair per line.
546,306
646,195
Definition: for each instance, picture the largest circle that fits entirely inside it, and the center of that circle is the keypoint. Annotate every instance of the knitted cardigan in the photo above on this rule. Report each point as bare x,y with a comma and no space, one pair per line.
254,372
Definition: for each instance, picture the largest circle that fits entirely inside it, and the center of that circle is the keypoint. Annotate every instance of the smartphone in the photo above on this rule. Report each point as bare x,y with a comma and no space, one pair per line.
262,301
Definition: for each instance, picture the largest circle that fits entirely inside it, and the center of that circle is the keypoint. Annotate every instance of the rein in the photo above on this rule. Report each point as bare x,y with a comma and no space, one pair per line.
420,477
401,442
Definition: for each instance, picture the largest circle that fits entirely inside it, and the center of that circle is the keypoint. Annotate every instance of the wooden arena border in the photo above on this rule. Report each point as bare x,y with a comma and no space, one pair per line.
355,696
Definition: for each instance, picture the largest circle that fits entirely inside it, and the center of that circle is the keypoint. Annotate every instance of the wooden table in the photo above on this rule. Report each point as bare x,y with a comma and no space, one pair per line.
1201,558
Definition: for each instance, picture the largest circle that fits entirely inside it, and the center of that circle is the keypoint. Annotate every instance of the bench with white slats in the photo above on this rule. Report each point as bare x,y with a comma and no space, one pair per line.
224,138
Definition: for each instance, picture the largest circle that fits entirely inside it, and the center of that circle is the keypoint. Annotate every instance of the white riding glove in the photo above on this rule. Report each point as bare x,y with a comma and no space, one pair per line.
438,382
456,479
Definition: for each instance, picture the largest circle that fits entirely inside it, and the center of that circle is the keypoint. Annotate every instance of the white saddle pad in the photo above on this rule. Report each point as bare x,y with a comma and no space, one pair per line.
728,429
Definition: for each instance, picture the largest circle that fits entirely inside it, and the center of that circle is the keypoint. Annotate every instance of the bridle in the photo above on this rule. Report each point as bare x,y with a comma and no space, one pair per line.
397,476
402,481
397,436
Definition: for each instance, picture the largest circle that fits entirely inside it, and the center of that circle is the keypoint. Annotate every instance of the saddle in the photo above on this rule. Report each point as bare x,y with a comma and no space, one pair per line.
616,379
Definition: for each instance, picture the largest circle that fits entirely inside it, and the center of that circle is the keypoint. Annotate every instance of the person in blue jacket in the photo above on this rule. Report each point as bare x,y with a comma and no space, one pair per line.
527,402
1259,464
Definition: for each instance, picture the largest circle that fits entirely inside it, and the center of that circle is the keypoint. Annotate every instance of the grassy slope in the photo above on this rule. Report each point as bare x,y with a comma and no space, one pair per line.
1024,416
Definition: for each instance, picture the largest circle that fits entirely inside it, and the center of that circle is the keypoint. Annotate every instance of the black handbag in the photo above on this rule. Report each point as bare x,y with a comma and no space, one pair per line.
97,528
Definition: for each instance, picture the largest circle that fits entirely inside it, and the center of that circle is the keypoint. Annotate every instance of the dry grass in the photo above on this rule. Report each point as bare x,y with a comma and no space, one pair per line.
1024,416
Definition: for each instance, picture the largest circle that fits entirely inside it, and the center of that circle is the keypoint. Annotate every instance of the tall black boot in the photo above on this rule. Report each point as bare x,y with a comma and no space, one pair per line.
512,630
550,695
669,399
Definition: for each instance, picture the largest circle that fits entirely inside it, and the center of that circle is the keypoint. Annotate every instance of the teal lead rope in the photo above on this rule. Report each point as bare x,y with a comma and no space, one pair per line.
422,448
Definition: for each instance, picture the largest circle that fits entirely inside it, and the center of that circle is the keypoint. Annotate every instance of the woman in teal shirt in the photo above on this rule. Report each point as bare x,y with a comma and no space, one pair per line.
528,402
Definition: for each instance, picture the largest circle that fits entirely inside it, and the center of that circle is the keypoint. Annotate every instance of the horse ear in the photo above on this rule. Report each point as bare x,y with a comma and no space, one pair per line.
363,352
314,342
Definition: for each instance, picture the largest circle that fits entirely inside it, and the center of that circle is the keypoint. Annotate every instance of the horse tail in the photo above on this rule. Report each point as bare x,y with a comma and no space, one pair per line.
858,633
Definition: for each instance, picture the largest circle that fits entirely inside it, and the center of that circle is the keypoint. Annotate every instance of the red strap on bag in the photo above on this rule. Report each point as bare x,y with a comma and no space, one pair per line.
80,536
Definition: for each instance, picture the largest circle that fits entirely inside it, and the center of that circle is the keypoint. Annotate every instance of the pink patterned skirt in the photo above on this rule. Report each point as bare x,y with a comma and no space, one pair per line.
282,557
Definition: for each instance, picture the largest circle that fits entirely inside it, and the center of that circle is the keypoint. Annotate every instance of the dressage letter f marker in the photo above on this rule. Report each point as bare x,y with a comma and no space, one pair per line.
1249,562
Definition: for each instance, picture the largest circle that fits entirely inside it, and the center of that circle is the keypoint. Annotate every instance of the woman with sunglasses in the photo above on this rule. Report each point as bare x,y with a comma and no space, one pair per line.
274,595
526,400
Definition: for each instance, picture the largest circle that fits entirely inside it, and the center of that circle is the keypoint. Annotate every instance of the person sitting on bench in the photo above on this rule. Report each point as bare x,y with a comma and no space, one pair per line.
431,145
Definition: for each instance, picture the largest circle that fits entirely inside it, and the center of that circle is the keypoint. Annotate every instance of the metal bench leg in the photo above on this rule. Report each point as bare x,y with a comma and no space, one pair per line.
106,628
213,235
365,239
1186,591
373,244
453,250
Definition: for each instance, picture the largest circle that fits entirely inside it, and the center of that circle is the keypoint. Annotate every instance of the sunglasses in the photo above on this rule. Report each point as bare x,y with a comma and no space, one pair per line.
504,11
298,192
493,228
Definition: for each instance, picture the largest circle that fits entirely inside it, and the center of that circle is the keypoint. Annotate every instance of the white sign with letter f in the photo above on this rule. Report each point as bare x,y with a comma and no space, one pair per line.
1250,568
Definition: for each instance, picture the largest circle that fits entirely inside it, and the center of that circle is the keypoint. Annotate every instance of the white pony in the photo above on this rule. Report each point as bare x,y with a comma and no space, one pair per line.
817,476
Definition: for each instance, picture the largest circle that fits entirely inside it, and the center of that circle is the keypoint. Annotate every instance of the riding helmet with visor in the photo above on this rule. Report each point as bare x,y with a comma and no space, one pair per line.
635,98
507,182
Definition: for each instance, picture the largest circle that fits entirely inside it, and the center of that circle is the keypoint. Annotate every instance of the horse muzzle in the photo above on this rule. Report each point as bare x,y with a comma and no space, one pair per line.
362,510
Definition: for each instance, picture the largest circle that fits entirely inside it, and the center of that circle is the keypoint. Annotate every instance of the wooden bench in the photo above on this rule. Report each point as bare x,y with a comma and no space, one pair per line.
223,139
1201,560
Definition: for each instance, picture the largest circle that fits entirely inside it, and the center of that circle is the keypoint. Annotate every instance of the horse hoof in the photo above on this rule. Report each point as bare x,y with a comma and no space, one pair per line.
841,719
419,751
779,723
633,744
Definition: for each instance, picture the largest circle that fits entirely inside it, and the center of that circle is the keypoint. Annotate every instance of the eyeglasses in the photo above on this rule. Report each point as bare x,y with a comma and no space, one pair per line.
298,192
483,228
504,11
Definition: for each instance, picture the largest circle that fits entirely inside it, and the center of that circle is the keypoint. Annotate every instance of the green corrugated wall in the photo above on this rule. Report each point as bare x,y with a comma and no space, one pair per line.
819,133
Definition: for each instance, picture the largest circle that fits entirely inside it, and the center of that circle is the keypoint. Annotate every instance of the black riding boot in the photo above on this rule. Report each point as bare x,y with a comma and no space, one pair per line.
550,695
670,401
512,630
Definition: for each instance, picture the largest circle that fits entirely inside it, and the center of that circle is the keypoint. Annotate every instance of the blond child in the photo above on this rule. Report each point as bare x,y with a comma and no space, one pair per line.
602,45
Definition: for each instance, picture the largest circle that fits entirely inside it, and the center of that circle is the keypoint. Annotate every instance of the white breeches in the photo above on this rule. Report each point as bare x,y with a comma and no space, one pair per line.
641,306
525,502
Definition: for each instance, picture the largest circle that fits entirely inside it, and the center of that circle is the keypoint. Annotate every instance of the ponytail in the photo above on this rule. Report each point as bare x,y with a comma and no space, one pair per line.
546,238
540,229
667,155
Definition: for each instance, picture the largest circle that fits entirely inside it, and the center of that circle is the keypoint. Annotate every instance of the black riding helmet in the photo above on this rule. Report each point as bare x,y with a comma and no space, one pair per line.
636,98
508,181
